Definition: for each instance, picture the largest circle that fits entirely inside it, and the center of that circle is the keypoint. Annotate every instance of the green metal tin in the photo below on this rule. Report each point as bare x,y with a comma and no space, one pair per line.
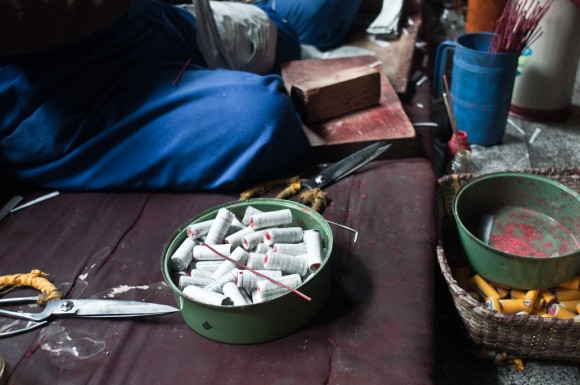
260,322
520,230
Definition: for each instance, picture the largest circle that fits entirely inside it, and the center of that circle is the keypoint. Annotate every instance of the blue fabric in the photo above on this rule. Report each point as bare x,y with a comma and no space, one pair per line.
104,112
322,23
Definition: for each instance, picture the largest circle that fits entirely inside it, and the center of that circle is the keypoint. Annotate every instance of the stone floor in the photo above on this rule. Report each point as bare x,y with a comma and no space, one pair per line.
525,145
529,144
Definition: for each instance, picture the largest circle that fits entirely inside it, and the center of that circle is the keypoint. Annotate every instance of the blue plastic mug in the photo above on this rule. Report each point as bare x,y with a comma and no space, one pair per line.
481,86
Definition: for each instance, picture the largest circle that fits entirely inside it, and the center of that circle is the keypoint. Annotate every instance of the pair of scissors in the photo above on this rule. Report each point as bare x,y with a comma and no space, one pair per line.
315,196
92,308
55,305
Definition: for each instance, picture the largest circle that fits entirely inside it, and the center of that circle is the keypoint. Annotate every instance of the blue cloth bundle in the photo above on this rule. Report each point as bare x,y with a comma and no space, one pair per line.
120,109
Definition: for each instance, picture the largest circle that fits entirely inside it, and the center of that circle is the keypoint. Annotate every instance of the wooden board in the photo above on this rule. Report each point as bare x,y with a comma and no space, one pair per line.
342,92
335,138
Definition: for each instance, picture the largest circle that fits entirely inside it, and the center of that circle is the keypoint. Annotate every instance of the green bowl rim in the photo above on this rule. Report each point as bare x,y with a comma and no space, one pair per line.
508,174
282,203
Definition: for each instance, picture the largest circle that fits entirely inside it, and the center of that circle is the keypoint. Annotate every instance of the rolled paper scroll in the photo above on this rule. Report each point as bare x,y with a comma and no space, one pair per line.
195,279
290,248
182,257
218,285
271,219
514,306
251,240
256,261
236,226
262,248
200,229
283,235
570,305
248,213
483,287
256,298
236,239
245,294
288,264
199,273
531,296
209,266
492,303
548,296
538,312
567,294
518,293
199,294
559,312
268,289
239,254
202,253
220,226
572,283
232,291
248,279
523,312
178,274
502,291
314,248
539,304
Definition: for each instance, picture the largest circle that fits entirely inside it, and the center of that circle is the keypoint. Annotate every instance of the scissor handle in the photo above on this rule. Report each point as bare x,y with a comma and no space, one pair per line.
50,308
28,327
35,279
263,188
315,198
293,188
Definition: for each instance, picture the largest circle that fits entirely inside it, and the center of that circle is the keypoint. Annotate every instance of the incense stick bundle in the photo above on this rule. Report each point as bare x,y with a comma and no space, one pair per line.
517,27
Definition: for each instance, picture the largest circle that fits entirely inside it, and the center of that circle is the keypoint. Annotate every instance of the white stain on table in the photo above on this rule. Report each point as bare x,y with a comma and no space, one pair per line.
125,288
63,346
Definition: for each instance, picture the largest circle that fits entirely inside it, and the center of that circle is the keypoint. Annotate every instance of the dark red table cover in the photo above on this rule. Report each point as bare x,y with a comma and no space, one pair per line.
377,327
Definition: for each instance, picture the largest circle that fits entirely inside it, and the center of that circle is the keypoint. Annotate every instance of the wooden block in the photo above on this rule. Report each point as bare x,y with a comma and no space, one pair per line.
326,97
335,138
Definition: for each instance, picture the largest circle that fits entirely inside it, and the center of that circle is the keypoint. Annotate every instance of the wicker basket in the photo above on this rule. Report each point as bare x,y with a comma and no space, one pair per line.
524,336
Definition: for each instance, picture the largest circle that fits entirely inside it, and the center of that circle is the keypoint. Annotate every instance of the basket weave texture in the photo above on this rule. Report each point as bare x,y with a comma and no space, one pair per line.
524,336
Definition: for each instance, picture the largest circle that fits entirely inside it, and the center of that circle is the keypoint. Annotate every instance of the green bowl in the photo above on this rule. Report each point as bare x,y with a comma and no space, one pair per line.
264,321
519,230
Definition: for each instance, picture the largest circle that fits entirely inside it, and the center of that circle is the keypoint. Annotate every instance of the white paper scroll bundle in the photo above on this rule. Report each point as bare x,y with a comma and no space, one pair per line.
234,36
387,23
260,245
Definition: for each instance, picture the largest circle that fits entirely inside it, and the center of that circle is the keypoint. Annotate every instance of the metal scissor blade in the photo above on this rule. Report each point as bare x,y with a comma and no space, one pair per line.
110,308
13,202
347,165
5,301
